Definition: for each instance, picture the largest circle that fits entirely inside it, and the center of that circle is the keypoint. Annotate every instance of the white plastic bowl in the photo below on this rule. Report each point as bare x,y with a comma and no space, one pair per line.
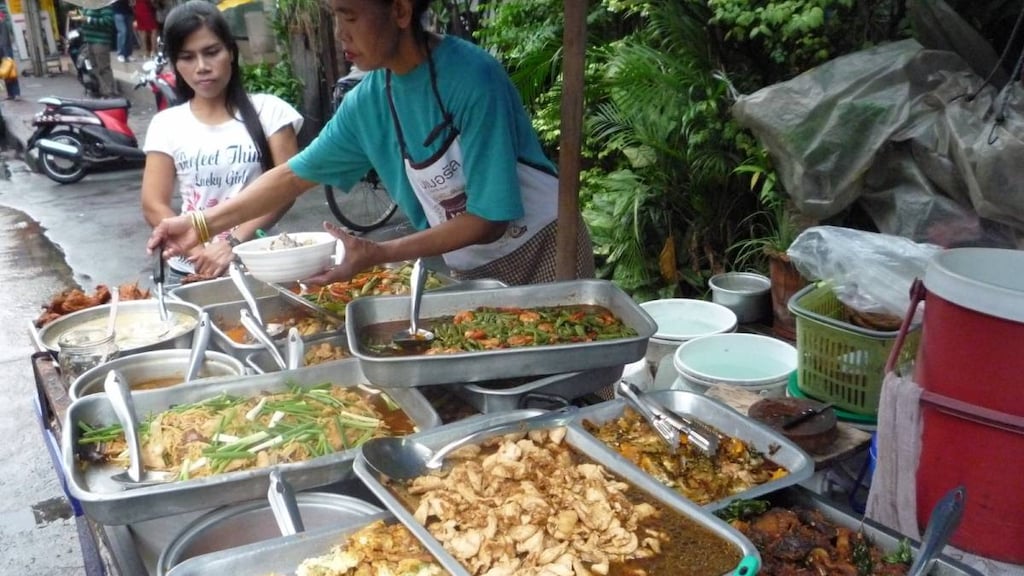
748,361
288,264
683,319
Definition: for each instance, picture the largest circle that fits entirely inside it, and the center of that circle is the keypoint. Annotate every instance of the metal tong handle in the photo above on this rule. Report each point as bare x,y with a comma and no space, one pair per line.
200,341
296,349
158,280
632,394
283,505
260,334
416,282
120,396
700,436
941,525
558,417
243,287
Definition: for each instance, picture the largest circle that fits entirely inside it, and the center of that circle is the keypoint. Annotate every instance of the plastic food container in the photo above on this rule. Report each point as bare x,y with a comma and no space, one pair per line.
682,319
750,362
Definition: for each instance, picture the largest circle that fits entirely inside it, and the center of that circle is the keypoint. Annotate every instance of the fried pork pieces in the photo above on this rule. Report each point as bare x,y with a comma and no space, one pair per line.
376,550
533,508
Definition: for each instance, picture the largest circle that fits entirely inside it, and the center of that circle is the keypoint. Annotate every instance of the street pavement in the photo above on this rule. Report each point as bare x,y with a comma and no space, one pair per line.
54,237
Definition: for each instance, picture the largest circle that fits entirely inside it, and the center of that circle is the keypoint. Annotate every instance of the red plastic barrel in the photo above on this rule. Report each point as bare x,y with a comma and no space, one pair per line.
971,365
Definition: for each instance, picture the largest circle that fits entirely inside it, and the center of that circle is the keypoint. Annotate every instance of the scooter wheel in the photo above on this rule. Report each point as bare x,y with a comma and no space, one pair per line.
63,170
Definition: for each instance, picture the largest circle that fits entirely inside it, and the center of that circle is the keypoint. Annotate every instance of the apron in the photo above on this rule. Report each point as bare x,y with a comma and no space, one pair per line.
439,183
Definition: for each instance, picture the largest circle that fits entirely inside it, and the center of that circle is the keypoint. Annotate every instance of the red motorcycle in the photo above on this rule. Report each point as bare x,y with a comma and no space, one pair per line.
74,135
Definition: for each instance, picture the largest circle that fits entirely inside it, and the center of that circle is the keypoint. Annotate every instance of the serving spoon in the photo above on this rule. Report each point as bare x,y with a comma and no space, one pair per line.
283,505
119,394
235,272
414,337
200,341
942,523
403,458
259,333
296,349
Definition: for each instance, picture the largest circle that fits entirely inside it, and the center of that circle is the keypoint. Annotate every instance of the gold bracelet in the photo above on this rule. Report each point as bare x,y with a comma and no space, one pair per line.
206,230
199,225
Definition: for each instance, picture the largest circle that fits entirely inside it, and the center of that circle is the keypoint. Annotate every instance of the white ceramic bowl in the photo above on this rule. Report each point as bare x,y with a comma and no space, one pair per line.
748,361
288,264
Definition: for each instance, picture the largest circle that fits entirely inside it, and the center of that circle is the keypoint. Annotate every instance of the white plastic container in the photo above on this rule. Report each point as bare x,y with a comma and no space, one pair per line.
680,320
750,362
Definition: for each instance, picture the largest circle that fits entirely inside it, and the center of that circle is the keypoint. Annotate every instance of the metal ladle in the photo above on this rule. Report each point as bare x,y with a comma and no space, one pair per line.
414,337
119,394
200,341
941,525
238,277
296,349
403,458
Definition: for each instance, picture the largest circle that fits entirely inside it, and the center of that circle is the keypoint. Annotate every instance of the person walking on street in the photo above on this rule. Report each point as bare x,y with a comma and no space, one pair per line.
124,15
7,51
98,29
145,23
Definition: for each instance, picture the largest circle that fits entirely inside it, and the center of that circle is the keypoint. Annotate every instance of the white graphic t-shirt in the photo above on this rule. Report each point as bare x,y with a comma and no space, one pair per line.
214,163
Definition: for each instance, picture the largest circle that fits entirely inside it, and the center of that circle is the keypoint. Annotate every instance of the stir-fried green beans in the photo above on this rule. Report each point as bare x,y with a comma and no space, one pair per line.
490,328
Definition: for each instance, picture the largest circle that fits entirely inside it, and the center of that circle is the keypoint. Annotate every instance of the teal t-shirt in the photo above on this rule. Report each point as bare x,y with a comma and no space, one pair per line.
496,133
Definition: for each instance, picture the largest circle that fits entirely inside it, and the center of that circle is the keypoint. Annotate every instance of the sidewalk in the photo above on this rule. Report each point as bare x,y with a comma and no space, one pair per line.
18,115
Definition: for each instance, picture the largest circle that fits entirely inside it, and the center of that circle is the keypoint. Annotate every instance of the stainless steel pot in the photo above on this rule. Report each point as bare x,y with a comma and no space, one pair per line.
128,314
253,521
152,365
747,294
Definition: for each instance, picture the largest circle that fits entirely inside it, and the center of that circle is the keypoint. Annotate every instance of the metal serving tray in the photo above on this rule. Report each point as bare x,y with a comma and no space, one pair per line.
227,316
558,389
884,538
575,437
276,556
261,362
468,367
109,503
727,421
219,291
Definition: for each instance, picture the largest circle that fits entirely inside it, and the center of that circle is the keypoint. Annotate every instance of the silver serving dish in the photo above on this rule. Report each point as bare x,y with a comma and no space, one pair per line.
152,365
261,362
278,556
109,503
226,316
545,392
886,539
777,447
219,291
253,522
582,443
127,312
469,367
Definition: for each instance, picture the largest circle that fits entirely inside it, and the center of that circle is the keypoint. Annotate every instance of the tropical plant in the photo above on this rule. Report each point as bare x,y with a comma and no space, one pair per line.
277,79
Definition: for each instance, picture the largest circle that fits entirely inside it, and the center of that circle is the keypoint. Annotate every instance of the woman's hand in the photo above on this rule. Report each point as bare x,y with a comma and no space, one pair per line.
360,254
176,235
213,260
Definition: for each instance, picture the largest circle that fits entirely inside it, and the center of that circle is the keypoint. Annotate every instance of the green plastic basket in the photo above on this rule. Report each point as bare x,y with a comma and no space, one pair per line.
836,361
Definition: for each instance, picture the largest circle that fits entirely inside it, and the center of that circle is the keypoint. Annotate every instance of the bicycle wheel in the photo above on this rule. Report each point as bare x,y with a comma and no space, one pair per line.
366,207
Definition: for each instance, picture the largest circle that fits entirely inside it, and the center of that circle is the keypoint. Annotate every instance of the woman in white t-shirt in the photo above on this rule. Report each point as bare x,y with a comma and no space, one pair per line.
218,141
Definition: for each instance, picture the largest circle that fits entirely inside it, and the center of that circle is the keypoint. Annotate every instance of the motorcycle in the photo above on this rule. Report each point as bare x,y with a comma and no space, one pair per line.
75,135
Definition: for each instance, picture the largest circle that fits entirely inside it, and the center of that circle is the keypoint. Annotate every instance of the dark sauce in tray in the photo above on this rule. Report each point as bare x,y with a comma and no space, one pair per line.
690,548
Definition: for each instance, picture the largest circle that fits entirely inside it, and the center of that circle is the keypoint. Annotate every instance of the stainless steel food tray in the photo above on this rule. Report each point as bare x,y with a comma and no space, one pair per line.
108,503
261,362
219,291
884,538
277,556
543,392
584,443
226,316
469,367
780,449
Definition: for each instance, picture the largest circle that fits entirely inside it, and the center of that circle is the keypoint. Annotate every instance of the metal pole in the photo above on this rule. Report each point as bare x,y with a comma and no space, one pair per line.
34,31
574,39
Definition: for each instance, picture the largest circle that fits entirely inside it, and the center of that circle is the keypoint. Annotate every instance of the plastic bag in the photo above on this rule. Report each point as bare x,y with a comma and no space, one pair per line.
869,272
8,69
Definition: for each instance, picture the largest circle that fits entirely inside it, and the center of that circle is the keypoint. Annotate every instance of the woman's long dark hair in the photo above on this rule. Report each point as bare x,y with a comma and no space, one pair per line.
180,24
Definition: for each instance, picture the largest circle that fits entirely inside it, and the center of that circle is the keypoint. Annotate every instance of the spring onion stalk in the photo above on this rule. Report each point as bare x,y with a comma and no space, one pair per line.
252,414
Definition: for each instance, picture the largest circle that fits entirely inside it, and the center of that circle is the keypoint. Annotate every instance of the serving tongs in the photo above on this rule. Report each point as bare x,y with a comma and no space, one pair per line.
668,425
119,394
259,333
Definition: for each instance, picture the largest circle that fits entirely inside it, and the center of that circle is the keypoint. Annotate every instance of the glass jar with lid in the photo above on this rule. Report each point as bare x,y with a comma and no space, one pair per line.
81,350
